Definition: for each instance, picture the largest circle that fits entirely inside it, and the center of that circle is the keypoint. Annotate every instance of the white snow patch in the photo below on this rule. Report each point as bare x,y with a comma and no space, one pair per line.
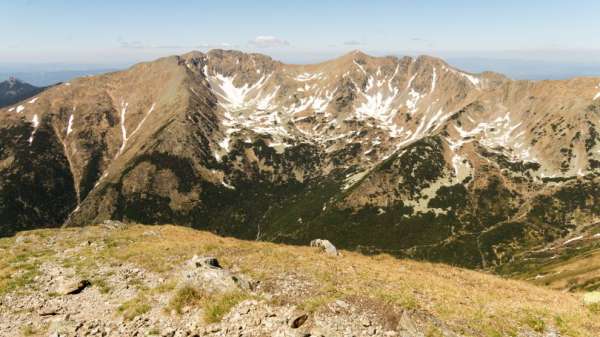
231,187
35,121
473,79
234,95
20,109
142,121
308,77
33,100
70,124
433,80
353,179
360,67
410,81
413,100
224,144
124,106
573,239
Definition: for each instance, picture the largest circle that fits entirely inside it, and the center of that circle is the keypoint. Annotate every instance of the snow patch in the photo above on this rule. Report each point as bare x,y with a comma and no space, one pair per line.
308,77
70,124
433,80
124,106
360,67
413,100
573,239
35,121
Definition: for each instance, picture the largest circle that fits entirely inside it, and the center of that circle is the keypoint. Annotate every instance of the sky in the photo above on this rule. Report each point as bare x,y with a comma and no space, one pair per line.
495,34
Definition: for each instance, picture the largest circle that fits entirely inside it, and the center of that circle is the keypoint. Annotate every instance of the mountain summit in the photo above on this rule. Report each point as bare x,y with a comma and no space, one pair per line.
13,90
409,156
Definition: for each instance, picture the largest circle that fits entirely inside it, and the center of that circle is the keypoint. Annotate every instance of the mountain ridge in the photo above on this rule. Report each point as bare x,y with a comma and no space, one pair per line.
403,155
14,90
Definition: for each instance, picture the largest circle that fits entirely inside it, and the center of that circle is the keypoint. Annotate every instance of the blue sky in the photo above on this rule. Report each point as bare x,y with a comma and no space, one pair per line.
122,32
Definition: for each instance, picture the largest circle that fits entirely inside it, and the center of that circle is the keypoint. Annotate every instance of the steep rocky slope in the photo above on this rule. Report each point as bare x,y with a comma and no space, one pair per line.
13,91
408,156
116,280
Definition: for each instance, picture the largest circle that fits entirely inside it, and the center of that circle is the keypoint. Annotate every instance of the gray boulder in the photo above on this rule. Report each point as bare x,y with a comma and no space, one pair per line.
207,273
73,287
325,245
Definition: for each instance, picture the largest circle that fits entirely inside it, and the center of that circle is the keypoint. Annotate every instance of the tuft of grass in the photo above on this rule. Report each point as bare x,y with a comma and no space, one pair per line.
165,287
24,275
186,296
218,306
28,330
594,308
535,322
315,303
214,306
102,285
433,331
134,307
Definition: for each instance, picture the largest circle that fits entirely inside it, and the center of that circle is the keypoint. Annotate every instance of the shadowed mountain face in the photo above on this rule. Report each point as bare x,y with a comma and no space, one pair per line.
13,91
407,156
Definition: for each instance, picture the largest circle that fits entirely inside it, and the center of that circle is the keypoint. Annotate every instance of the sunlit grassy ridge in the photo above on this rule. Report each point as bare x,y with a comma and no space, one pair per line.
470,302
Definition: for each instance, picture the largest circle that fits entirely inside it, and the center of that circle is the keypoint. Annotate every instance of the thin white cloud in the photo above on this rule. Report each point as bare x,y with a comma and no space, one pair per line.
132,45
141,45
268,42
353,43
215,45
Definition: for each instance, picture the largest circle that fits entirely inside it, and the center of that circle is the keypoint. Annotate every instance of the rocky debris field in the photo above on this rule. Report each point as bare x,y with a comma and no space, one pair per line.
133,280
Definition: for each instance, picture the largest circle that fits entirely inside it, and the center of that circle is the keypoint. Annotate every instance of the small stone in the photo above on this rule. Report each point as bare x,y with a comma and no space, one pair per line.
113,224
341,304
298,321
76,287
591,298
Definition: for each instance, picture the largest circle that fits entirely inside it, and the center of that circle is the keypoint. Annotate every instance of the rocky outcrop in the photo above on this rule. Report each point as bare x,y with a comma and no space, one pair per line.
206,273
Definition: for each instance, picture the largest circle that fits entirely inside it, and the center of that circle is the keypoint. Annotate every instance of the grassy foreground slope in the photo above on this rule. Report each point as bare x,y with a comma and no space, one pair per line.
440,299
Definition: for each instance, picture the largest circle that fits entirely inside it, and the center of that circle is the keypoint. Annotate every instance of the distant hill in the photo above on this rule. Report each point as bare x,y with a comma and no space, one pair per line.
43,78
14,90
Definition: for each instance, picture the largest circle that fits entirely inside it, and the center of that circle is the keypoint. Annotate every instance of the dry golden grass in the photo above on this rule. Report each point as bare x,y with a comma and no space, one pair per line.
471,302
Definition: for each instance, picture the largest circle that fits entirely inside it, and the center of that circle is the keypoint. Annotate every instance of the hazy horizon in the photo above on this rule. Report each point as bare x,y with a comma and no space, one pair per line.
43,74
551,37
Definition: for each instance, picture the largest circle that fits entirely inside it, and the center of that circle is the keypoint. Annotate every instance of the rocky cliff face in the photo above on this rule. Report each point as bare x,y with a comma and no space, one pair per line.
400,155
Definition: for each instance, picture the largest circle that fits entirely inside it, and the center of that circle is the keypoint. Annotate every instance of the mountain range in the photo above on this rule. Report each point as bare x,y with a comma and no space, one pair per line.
406,156
14,90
